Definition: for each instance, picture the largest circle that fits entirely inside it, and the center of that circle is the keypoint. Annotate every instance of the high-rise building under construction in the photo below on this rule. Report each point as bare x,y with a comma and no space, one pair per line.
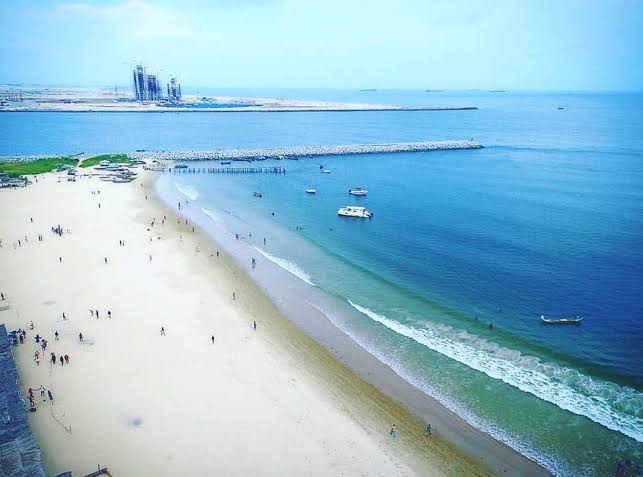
146,87
174,91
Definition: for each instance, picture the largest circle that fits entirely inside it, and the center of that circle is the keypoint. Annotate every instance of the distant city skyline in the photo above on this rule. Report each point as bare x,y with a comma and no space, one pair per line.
406,44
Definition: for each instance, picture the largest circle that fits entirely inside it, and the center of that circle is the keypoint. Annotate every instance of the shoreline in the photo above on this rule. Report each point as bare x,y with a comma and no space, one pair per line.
457,433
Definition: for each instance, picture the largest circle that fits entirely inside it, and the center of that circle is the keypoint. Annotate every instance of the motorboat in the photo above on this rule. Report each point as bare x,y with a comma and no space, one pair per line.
326,171
561,321
311,191
357,191
224,163
352,211
257,194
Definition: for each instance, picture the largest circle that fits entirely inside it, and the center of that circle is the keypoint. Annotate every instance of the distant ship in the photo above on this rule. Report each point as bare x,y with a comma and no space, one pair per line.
311,191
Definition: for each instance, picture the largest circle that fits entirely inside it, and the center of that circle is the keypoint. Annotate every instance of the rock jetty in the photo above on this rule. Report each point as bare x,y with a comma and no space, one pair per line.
304,151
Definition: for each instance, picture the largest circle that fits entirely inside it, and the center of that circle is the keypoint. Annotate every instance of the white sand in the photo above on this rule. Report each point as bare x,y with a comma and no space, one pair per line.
144,404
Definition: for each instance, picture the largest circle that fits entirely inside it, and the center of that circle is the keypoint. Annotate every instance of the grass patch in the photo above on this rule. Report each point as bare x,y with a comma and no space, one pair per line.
39,166
113,158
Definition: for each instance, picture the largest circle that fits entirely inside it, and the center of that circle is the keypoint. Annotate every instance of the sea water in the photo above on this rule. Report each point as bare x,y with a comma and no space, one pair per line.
547,219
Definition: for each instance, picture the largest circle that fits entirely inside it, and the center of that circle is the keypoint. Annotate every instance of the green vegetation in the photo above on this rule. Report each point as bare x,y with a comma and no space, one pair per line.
39,166
114,158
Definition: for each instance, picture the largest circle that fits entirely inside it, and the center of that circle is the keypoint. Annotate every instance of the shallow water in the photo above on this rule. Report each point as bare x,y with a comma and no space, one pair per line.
547,219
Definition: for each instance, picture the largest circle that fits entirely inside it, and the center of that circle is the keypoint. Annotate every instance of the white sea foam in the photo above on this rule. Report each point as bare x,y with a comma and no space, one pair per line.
611,405
188,191
287,265
550,462
212,215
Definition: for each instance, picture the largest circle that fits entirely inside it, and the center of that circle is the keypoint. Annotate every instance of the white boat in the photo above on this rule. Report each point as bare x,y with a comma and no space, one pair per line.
311,191
561,321
357,191
352,211
326,171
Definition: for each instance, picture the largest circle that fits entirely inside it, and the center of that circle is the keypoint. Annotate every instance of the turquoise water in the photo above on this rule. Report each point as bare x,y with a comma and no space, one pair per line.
548,218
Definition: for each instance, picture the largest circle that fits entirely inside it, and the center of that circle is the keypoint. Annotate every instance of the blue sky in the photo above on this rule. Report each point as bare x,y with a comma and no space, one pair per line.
451,44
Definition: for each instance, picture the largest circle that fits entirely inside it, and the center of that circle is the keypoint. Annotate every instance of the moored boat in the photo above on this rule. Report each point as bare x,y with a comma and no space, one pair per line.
311,191
352,211
561,321
257,194
357,191
326,171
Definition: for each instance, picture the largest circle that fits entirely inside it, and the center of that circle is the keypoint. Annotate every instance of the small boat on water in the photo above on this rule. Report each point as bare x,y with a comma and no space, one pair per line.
225,163
352,211
257,194
311,191
561,321
357,191
326,171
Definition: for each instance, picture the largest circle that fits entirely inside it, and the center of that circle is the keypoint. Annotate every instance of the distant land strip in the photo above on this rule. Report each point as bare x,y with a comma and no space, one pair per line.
240,109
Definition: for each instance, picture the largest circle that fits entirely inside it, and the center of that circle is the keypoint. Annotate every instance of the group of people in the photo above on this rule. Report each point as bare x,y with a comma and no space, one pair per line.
32,398
95,313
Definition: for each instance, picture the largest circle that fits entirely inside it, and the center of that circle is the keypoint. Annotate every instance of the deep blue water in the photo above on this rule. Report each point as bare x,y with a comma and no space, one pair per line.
547,219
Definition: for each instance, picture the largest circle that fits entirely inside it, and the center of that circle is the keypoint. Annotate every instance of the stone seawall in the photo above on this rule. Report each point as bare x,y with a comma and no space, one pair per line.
305,151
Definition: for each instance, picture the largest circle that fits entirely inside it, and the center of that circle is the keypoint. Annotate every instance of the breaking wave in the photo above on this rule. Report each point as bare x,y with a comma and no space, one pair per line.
616,407
287,265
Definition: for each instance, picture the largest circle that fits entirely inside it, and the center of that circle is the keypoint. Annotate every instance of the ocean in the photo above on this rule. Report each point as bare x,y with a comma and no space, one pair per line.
546,219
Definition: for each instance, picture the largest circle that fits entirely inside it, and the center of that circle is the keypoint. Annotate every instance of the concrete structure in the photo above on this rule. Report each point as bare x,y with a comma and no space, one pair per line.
304,151
19,453
174,91
146,86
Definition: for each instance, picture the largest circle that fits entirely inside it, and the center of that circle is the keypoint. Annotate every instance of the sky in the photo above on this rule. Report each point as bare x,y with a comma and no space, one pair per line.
397,44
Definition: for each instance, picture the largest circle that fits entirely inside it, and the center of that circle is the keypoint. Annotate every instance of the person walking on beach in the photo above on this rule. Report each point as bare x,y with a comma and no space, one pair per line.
162,331
64,316
62,361
97,314
67,358
50,396
429,431
105,260
254,325
393,432
1,296
36,358
212,338
42,392
80,337
53,358
234,296
56,336
254,263
91,312
60,259
109,314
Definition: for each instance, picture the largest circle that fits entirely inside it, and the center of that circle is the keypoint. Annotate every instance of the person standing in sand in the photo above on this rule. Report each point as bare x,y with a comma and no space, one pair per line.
212,338
162,331
80,337
51,396
393,432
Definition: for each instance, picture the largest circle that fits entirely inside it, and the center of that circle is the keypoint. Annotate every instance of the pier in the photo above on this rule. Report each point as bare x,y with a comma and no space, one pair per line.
227,170
294,152
19,453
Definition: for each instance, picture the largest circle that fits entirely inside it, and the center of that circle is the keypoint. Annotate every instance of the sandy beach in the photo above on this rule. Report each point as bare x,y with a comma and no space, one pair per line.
211,395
